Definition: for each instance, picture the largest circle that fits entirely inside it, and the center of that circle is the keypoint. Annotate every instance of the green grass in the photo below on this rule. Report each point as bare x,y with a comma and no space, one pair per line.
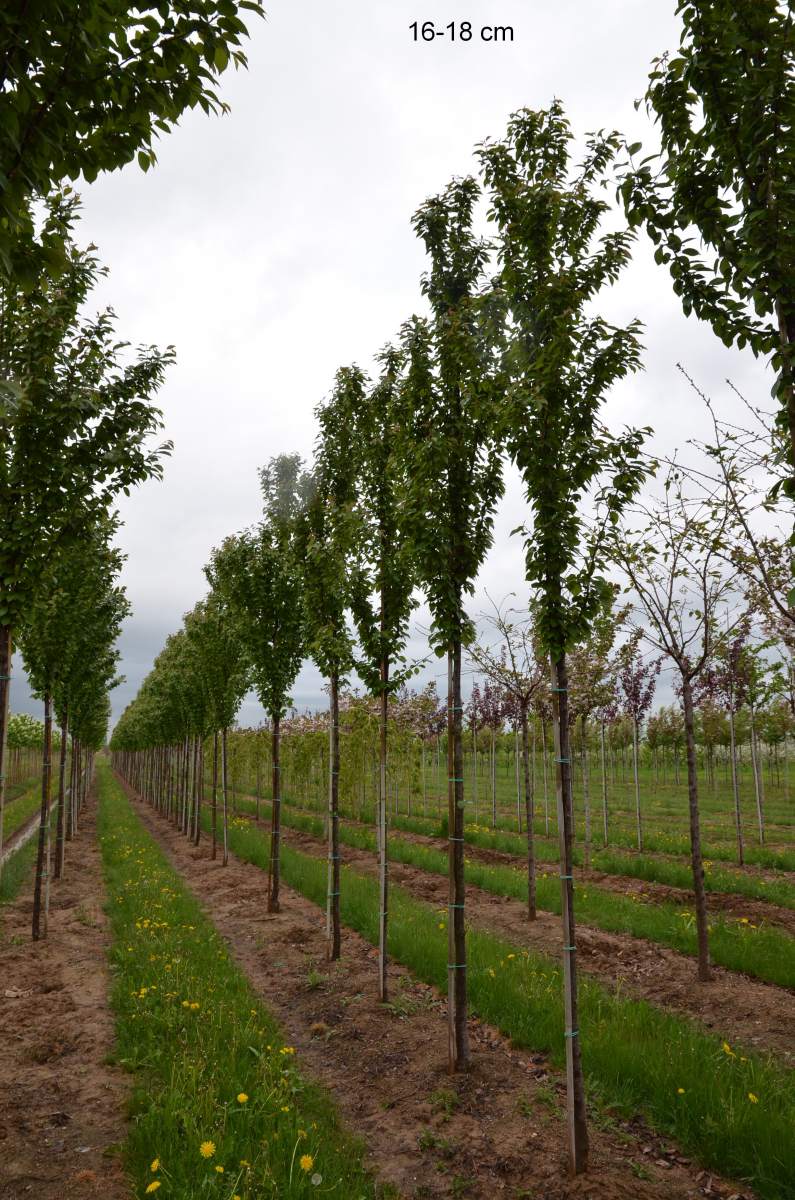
638,1058
762,952
19,812
195,1037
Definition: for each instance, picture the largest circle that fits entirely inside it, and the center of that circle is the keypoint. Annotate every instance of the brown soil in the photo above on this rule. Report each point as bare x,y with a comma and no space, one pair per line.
60,1106
496,1130
743,1010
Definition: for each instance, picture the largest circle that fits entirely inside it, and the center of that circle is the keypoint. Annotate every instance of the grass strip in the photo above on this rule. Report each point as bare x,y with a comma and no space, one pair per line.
734,1112
760,951
219,1106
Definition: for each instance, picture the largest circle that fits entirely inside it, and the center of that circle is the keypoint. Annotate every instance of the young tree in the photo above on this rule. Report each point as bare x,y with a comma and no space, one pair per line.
326,540
518,672
562,360
637,682
383,576
673,565
721,183
74,425
259,577
455,480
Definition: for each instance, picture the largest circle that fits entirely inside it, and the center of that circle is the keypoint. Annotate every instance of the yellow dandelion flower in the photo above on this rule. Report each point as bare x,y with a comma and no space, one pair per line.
680,1091
754,1099
155,1165
242,1097
207,1149
153,1186
306,1162
219,1168
728,1050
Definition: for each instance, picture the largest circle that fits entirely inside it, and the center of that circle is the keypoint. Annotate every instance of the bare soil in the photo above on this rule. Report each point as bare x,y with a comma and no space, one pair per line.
61,1106
744,1011
496,1130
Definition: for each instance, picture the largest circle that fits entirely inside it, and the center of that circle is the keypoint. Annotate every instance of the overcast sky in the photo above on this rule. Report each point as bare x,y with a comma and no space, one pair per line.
274,244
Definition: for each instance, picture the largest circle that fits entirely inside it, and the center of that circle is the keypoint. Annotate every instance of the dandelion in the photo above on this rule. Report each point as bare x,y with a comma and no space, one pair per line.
153,1186
207,1149
680,1091
728,1050
242,1097
306,1162
219,1168
754,1099
155,1165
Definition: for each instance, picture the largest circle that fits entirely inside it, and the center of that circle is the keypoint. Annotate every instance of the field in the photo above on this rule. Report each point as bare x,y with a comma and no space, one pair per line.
224,1056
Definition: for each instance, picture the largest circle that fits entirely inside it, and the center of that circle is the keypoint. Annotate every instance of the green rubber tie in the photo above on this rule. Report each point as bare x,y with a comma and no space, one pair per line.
456,906
563,760
558,689
571,949
331,894
454,779
455,839
456,966
573,1033
565,876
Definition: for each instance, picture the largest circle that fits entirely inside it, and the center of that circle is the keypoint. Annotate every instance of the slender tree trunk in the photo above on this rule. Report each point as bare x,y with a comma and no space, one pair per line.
383,862
759,785
224,796
699,890
493,781
458,1031
6,654
274,866
546,782
333,936
638,821
575,1085
529,817
44,821
738,821
59,837
518,785
215,795
586,791
604,781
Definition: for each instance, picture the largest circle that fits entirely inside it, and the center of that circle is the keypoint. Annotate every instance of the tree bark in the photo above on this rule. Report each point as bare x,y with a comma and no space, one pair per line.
604,781
44,819
638,819
697,863
383,861
759,783
274,863
738,822
333,936
586,791
224,797
458,1031
215,795
575,1085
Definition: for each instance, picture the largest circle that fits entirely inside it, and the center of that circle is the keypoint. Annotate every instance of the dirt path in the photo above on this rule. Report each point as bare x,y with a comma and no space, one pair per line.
753,1014
60,1106
497,1130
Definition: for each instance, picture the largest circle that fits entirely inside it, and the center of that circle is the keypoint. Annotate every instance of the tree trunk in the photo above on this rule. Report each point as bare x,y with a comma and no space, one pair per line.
224,797
59,837
6,654
458,1032
638,821
44,820
575,1086
493,781
546,785
735,785
333,892
383,864
215,796
529,818
586,791
695,833
759,784
274,865
604,781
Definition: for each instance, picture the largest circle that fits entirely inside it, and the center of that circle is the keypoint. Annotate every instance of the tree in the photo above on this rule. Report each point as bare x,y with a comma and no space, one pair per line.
383,577
258,575
562,360
518,672
673,565
326,539
637,680
723,105
455,480
75,420
88,85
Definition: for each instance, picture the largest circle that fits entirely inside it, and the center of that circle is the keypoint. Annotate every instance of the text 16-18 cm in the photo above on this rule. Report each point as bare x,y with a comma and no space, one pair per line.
460,31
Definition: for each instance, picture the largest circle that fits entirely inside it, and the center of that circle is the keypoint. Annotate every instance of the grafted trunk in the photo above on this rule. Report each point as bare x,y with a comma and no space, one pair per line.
274,862
696,859
458,1032
575,1086
44,822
